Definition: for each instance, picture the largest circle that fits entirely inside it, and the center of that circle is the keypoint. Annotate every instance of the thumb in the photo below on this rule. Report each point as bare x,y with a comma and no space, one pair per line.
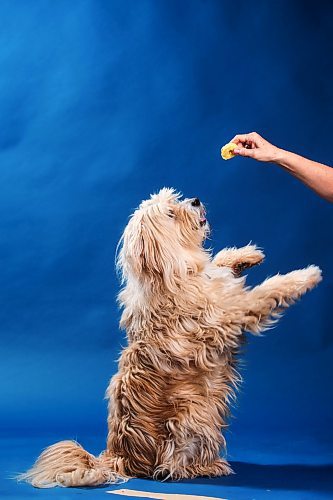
244,152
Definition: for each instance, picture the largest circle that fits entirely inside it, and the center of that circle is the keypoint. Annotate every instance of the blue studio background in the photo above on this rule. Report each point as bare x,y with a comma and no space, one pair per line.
104,102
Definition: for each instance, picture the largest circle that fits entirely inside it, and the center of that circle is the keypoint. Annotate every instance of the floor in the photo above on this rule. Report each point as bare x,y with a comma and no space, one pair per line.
264,469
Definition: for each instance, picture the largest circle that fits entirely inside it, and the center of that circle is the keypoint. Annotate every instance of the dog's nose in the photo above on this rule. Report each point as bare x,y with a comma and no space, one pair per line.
195,202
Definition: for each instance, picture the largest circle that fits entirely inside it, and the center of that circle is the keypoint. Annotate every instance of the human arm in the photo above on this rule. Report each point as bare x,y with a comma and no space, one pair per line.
315,175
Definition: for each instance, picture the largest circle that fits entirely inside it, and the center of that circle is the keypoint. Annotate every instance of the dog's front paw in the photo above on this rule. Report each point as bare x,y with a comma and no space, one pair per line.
248,256
251,255
309,277
239,258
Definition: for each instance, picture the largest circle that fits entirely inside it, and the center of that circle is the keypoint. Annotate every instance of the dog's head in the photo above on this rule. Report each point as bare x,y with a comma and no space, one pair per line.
163,239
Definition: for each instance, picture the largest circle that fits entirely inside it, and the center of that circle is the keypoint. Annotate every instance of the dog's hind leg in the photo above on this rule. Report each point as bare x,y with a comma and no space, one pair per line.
191,448
215,469
176,469
239,259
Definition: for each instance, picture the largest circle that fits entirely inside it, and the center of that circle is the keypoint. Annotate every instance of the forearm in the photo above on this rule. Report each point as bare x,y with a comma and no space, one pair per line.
315,175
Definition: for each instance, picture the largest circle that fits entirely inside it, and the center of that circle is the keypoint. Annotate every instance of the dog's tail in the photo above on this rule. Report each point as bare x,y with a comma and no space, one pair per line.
67,464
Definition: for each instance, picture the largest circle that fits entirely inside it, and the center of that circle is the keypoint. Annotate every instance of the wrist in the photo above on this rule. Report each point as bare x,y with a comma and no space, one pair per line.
279,156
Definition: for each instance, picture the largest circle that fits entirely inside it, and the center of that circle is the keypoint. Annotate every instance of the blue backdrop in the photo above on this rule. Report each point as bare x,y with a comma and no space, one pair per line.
104,102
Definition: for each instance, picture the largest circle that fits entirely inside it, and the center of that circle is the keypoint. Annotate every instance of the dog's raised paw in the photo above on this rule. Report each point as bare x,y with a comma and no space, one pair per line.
248,256
311,275
239,259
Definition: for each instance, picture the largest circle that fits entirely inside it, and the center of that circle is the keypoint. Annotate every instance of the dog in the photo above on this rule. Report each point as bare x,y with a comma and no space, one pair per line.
185,314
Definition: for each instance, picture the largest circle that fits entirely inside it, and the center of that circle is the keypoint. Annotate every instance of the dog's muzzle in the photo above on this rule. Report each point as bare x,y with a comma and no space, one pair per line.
197,203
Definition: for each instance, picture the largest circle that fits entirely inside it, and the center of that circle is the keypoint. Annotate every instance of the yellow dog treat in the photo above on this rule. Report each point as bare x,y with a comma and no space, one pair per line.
227,152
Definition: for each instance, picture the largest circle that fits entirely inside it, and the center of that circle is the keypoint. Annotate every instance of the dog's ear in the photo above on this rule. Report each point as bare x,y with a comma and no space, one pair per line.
150,249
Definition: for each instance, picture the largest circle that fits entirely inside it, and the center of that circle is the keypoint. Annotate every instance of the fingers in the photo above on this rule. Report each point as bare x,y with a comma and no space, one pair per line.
254,146
251,139
241,138
250,153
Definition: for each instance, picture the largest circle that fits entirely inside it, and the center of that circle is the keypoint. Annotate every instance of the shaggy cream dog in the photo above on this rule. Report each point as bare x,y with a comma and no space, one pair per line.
184,313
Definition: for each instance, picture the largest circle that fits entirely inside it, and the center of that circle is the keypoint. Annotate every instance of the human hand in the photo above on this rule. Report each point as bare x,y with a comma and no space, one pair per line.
254,146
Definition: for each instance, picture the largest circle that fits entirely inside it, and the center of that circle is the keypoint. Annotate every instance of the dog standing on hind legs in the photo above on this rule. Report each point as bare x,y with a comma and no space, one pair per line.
185,314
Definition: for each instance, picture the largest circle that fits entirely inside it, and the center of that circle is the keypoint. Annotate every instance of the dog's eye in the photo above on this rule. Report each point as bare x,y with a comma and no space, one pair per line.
171,214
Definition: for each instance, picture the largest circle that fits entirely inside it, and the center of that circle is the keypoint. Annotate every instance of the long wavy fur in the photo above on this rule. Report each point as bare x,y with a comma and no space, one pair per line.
185,314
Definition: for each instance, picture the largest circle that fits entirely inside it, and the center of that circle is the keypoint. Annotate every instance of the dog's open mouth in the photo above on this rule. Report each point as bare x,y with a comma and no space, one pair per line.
203,220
